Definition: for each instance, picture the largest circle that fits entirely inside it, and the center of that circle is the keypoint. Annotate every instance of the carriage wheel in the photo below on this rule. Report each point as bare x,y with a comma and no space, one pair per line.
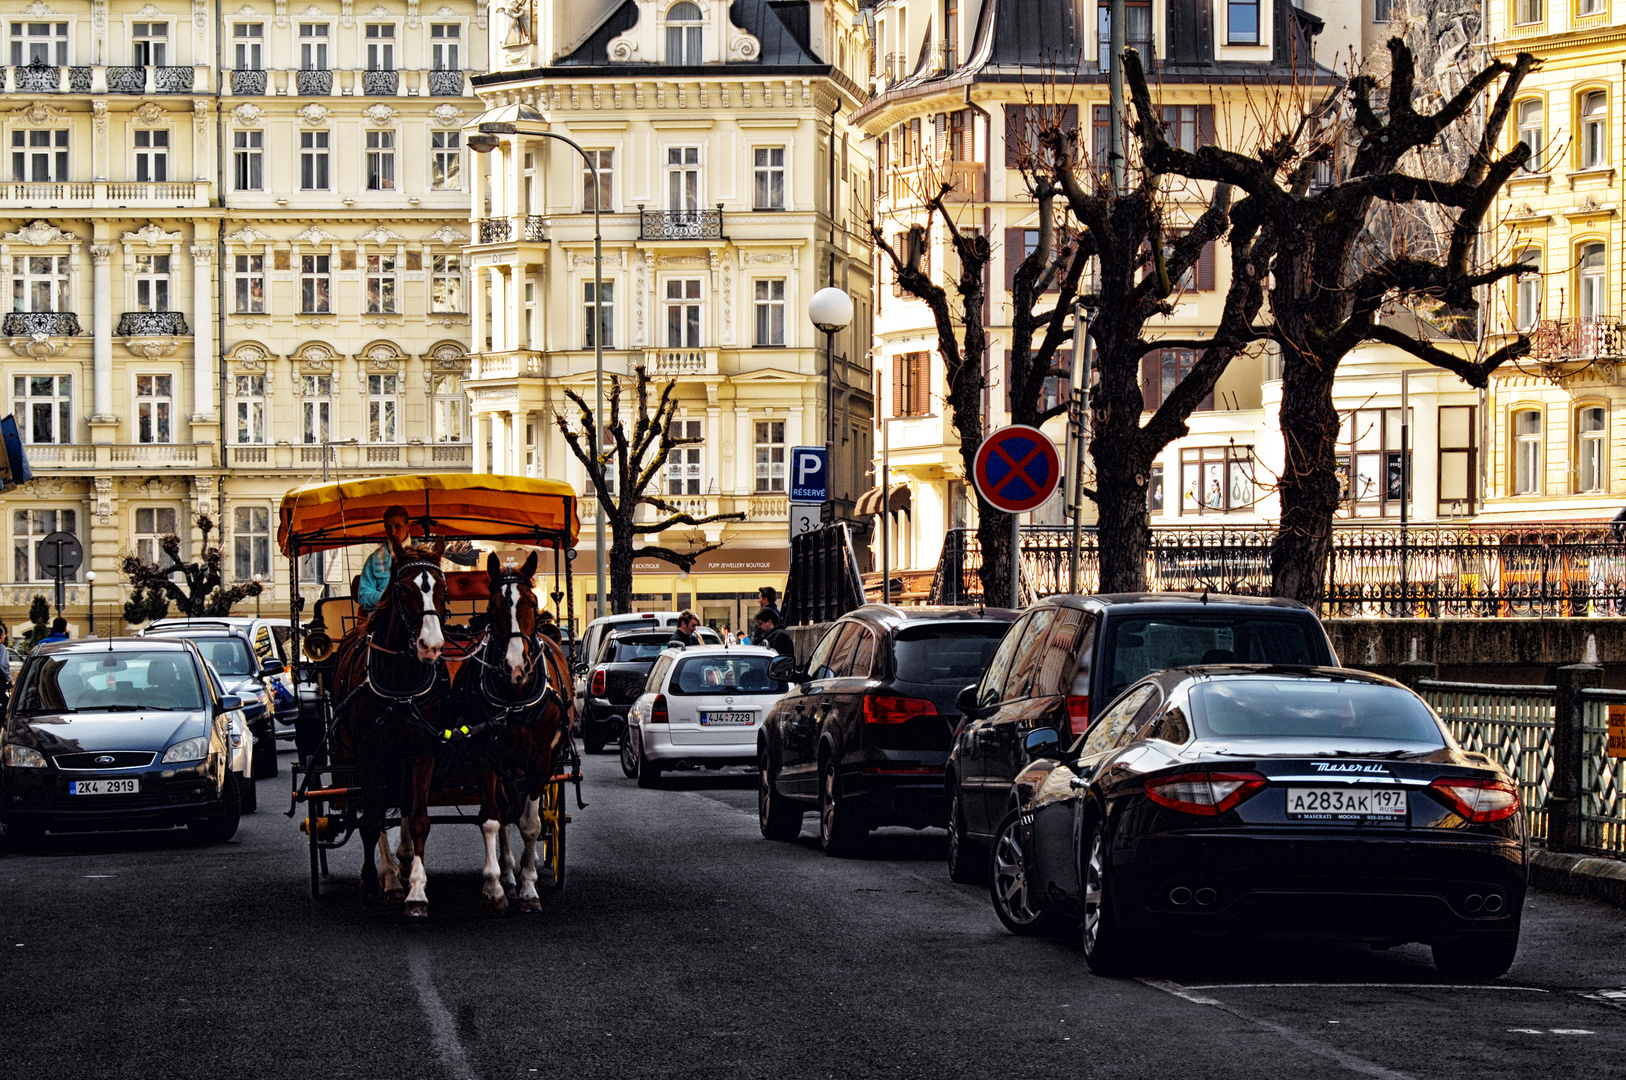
553,834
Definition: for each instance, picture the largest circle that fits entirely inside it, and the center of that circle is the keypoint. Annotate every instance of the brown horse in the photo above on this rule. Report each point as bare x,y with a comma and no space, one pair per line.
388,683
515,691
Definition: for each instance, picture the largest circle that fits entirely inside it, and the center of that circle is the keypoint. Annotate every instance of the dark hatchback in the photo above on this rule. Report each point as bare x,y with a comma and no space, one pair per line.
121,734
864,733
618,678
1307,802
1071,652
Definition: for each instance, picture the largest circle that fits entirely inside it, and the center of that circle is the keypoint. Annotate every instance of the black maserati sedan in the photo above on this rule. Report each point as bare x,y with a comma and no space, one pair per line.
1264,801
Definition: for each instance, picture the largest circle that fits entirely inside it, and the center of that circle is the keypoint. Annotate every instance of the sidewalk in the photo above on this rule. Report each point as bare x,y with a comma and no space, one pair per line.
1579,875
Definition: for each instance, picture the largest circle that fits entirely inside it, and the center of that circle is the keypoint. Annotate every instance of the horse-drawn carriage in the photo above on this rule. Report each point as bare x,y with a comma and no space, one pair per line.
449,701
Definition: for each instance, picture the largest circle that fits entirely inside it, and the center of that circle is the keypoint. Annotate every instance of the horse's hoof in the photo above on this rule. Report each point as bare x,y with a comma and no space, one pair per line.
417,909
530,905
394,897
510,892
496,905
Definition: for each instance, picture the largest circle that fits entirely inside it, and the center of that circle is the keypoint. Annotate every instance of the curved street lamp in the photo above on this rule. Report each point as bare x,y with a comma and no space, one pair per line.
831,310
90,585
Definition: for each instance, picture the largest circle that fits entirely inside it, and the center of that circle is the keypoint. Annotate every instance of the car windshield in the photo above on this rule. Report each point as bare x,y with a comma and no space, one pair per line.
1253,707
953,654
626,651
1141,646
230,656
102,681
724,675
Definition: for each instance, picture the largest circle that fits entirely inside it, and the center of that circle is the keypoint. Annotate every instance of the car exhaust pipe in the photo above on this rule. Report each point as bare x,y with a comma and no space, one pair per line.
1206,897
1180,896
1473,904
682,765
1493,903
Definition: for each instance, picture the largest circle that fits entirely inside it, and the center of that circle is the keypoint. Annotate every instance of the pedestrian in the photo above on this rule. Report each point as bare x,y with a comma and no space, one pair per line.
375,572
548,627
772,634
5,668
728,635
685,636
770,600
59,631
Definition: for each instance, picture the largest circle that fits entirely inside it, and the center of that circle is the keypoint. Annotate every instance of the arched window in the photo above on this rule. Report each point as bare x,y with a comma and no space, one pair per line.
1590,459
1593,280
1527,293
1594,130
1527,452
683,33
1530,132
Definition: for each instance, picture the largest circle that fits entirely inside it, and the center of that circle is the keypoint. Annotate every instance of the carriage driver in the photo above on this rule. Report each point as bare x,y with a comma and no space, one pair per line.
375,573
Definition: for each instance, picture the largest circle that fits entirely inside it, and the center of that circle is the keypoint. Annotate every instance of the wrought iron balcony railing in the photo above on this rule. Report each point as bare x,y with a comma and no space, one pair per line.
37,78
680,224
1557,340
496,230
314,83
445,84
173,80
152,324
380,83
48,323
248,82
80,79
536,228
126,80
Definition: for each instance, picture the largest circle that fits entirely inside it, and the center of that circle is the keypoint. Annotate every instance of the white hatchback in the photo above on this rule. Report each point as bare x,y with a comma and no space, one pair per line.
702,706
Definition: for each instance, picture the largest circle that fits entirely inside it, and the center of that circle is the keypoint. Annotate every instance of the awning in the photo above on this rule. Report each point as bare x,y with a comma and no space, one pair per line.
869,503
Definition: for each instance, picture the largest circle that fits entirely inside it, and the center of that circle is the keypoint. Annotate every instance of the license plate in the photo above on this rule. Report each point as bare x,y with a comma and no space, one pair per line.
1339,802
104,787
728,717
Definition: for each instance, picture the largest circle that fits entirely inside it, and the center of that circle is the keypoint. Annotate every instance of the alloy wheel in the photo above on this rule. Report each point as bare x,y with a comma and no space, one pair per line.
827,808
1011,877
1093,890
629,756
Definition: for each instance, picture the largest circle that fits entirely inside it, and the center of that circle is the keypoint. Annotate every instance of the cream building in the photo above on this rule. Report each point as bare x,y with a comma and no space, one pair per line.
230,247
731,187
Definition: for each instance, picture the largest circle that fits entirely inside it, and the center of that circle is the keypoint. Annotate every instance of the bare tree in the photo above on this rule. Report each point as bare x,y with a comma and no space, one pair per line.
1328,289
634,460
199,588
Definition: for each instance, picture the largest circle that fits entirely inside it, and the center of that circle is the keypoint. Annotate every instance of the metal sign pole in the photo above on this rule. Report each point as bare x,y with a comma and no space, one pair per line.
1082,359
886,511
1016,560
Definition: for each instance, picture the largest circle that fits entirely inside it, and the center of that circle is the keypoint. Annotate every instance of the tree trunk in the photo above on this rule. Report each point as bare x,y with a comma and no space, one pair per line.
1309,483
621,556
994,538
1122,536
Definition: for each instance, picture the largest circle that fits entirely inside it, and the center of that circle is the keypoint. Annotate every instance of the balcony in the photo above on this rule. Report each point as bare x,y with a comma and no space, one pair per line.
40,324
451,453
37,78
126,80
103,194
248,82
172,80
531,228
1558,340
380,83
496,230
120,457
517,364
314,83
672,362
535,230
680,224
250,455
768,508
152,324
445,84
352,458
52,79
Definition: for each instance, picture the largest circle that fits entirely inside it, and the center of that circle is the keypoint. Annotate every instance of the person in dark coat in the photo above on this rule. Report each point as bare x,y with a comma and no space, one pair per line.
684,636
772,634
770,600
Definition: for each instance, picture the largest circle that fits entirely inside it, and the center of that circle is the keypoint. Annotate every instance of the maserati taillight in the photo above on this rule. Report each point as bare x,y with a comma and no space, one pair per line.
596,687
1207,794
1478,802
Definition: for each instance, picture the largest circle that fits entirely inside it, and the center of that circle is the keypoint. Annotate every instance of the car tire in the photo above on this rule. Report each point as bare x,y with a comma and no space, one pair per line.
649,773
24,835
778,819
250,794
220,826
263,758
1482,956
629,756
1103,941
967,859
1008,884
593,743
842,829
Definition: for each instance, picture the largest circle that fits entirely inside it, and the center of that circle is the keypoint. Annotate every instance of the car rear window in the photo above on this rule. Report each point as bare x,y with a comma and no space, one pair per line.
1321,709
228,656
624,652
1138,647
955,654
111,681
697,675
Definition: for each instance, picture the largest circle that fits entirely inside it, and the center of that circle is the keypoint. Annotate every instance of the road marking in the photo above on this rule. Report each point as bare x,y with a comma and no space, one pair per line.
442,1027
1365,986
1550,1031
1303,1042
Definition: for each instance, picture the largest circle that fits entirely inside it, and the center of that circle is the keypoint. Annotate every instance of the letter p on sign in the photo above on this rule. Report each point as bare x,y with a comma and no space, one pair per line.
809,478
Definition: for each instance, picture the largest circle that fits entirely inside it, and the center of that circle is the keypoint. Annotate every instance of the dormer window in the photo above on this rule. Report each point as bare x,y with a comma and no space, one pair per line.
683,34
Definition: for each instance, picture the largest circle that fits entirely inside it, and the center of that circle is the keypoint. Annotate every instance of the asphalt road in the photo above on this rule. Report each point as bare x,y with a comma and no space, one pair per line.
684,945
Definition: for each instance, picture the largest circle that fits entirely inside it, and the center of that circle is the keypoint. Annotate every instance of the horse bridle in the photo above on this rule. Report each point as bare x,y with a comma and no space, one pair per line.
398,576
535,650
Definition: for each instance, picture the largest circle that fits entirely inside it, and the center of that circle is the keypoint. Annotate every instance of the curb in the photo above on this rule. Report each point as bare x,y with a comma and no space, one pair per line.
1579,875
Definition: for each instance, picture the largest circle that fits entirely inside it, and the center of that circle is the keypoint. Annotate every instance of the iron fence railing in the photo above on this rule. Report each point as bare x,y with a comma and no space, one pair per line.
248,82
496,230
48,323
79,79
317,82
1452,571
380,83
680,224
445,83
1603,778
824,581
126,80
173,80
152,324
37,78
1511,725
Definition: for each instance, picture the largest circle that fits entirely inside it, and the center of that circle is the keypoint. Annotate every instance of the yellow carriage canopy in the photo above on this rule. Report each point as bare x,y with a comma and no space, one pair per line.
474,506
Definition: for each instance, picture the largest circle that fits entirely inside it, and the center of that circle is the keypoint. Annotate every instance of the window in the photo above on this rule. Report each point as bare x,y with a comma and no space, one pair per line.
1527,291
152,156
683,313
39,156
1459,460
381,161
603,198
313,568
770,311
43,406
770,455
39,43
446,283
1180,125
1527,452
1590,450
383,406
248,160
248,40
606,319
911,384
1137,30
155,405
1530,133
28,529
448,405
380,47
1154,489
1161,371
1594,130
445,160
683,34
39,283
316,407
1383,11
380,285
152,524
1242,22
1216,479
769,178
149,44
1528,11
683,179
951,34
445,41
1369,462
1589,7
683,462
251,542
1593,277
313,147
152,282
248,282
315,284
313,46
250,409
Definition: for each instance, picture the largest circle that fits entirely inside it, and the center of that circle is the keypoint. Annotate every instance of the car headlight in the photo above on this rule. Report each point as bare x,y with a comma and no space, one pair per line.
23,757
189,750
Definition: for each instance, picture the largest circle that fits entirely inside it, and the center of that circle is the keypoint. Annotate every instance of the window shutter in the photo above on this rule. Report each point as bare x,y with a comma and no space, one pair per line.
1014,253
1151,382
1205,268
923,386
1010,375
1015,134
1101,137
899,362
914,141
940,147
1205,125
886,149
1069,119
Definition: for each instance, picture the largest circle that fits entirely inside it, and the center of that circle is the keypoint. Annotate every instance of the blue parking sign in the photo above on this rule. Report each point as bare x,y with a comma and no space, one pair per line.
809,474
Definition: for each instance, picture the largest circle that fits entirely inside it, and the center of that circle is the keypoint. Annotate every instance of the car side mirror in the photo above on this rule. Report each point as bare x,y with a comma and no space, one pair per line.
783,669
272,667
230,703
966,702
1042,743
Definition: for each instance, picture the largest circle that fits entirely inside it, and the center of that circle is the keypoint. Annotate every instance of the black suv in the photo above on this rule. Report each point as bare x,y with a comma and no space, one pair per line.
864,734
1069,653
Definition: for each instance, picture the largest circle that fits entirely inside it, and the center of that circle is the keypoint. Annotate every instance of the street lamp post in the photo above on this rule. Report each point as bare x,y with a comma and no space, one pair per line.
486,142
90,586
831,310
258,580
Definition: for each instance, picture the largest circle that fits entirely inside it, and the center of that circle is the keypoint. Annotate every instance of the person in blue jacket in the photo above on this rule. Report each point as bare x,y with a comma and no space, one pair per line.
375,573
